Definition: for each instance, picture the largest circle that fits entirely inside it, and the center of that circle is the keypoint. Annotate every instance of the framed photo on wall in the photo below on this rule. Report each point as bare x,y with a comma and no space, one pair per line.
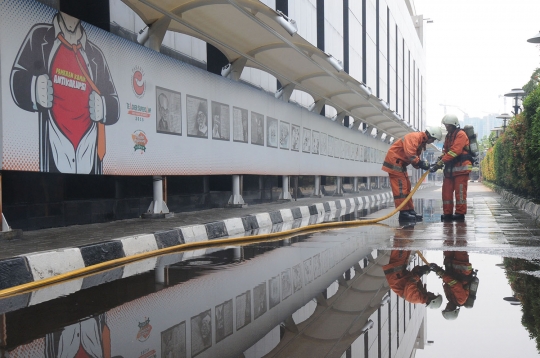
306,140
272,130
257,128
240,125
169,111
323,144
295,138
197,117
221,121
315,139
284,135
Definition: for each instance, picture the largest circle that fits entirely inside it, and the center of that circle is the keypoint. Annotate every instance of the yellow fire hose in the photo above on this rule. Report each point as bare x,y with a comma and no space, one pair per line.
194,245
422,257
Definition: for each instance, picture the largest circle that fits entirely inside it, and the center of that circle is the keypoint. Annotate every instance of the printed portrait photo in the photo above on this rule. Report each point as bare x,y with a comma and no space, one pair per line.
330,146
240,125
257,128
323,144
243,310
306,140
224,320
297,277
295,138
221,121
275,294
284,135
169,111
286,284
173,341
197,117
272,130
201,332
308,271
259,300
316,266
315,142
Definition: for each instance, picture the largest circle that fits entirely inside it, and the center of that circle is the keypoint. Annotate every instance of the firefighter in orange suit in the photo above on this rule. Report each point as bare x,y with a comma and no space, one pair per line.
407,284
457,162
403,152
456,278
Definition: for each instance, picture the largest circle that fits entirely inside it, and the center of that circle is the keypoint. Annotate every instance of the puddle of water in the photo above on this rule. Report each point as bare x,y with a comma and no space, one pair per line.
323,294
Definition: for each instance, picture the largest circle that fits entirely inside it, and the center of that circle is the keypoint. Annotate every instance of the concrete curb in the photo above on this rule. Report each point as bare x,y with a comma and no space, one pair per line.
521,203
37,266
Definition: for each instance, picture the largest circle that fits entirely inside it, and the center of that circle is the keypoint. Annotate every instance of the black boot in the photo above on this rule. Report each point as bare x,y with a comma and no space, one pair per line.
458,217
416,215
446,217
406,216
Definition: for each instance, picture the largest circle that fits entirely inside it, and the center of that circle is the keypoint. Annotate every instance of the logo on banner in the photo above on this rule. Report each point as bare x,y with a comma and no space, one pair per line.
144,330
147,353
140,112
137,82
140,140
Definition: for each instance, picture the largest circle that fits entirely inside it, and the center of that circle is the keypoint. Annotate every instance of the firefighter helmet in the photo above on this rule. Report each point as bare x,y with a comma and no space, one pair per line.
435,303
451,119
450,315
434,132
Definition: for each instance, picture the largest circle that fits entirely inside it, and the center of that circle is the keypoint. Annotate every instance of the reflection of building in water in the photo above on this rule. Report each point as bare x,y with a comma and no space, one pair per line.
259,308
356,316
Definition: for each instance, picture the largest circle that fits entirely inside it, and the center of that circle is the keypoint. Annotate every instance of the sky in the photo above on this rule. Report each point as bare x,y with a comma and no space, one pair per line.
476,51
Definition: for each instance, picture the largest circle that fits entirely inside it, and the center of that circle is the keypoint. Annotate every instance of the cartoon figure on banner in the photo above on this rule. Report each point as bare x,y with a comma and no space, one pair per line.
62,75
88,338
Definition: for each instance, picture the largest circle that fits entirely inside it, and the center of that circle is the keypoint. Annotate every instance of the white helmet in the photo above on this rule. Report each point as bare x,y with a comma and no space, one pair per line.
434,132
450,315
435,302
451,119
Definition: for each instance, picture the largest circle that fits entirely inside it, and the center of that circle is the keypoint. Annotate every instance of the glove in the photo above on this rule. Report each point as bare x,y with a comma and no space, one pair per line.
436,166
44,91
421,270
424,165
434,267
96,106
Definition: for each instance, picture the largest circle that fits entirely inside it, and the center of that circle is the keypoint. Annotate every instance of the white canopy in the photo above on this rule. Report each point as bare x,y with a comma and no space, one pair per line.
251,34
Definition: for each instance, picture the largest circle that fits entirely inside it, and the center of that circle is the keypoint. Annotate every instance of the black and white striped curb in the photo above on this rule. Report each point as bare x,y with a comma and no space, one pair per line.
37,266
519,202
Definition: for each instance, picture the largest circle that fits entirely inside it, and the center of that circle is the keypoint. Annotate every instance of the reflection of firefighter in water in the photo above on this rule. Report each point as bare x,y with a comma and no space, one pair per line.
408,284
459,279
64,77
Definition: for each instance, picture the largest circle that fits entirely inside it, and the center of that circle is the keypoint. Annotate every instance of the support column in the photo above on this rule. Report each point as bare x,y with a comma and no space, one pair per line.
261,187
339,187
206,184
368,183
378,182
236,200
152,36
355,185
317,187
158,207
285,195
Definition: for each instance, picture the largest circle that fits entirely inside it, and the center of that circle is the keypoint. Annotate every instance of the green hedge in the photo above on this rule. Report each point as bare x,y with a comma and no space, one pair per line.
514,160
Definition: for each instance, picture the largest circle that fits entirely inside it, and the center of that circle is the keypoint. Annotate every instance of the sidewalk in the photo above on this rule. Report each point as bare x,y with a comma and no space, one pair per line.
46,253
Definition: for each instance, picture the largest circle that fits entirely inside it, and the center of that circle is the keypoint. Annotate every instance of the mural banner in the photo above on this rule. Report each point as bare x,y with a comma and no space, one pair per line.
77,99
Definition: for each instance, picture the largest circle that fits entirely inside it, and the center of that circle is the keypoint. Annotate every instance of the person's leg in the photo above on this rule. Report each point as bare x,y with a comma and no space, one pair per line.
460,187
400,190
448,195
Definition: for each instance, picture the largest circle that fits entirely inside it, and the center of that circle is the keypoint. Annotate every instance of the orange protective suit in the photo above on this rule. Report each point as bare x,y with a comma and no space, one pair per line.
404,283
455,277
457,167
403,152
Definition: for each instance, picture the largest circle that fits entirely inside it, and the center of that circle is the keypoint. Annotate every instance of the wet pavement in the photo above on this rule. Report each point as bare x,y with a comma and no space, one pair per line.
323,294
